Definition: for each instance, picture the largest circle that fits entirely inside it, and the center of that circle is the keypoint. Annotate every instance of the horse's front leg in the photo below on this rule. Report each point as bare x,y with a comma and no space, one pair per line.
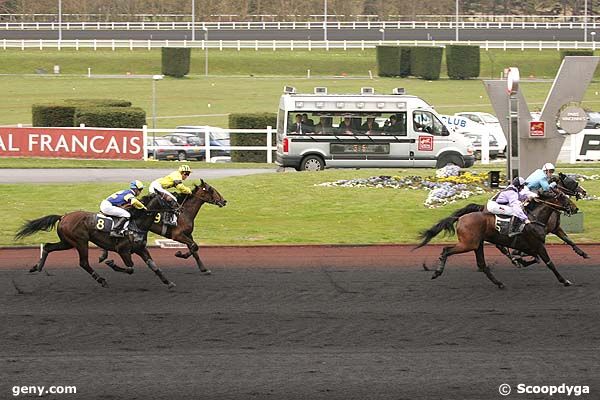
563,236
193,250
546,258
145,254
103,256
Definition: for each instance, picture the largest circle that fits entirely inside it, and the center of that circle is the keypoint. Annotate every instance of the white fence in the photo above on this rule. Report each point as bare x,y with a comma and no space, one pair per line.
285,44
575,23
268,132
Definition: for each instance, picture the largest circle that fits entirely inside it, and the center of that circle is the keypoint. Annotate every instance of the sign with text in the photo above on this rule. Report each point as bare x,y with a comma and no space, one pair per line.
585,146
537,129
85,143
425,143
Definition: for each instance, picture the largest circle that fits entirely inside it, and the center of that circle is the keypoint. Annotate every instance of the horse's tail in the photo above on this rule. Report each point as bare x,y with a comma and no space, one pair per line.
46,223
447,224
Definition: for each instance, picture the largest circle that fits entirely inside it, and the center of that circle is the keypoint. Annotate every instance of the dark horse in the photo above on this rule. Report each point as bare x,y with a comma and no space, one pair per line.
77,228
570,187
474,227
189,207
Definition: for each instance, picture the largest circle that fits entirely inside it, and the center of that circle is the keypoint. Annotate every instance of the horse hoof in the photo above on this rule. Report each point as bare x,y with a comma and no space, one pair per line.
206,272
179,254
585,255
567,283
129,270
103,282
171,285
34,269
436,274
501,286
110,263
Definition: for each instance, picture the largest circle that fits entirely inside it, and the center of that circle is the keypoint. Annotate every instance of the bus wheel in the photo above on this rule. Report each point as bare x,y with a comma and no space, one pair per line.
312,163
450,159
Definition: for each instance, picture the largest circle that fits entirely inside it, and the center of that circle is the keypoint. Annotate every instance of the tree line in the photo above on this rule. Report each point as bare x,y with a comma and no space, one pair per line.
285,10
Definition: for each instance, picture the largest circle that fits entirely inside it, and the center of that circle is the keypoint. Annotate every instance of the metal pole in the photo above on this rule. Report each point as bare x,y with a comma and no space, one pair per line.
325,22
59,20
193,20
585,21
205,52
153,103
456,27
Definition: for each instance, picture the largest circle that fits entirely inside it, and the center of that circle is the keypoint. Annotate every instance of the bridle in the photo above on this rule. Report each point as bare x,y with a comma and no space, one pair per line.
554,206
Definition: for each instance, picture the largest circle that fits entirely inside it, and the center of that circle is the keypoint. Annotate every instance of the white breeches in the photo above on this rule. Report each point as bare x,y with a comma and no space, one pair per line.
496,208
109,209
156,187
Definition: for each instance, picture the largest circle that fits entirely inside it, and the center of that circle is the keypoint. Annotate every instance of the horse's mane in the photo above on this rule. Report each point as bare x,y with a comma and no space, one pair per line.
147,198
181,196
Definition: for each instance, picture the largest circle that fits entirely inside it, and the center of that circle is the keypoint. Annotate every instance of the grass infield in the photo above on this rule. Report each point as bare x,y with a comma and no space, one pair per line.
283,208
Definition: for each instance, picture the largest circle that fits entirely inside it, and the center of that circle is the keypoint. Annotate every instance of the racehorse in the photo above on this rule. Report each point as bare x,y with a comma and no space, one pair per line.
77,228
182,232
570,187
474,227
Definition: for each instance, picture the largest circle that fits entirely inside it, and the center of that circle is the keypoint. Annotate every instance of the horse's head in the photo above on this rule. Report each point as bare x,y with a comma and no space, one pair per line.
558,200
569,186
208,194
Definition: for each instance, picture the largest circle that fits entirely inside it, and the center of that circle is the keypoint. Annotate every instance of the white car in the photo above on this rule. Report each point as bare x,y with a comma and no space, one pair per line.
489,122
474,132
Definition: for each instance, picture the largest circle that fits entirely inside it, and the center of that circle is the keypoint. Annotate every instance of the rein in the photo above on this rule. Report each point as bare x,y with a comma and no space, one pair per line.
551,205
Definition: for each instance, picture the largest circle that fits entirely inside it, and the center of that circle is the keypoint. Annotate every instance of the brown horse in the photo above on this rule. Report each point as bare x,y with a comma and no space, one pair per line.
182,232
474,227
77,228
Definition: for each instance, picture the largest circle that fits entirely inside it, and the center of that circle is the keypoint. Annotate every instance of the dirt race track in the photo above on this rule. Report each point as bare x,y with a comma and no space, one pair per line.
300,323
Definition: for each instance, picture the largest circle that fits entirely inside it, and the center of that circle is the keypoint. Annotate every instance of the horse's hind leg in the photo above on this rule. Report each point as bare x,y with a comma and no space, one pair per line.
85,264
546,258
447,252
480,257
47,249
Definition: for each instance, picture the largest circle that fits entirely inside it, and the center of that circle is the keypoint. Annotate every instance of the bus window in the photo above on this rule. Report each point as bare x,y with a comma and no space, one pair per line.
425,121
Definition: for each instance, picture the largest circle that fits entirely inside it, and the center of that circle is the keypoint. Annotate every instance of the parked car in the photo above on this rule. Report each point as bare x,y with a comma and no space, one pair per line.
474,131
188,143
593,120
491,123
218,138
161,153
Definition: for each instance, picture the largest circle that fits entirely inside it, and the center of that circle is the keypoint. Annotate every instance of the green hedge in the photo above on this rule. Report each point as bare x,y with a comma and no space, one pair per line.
565,53
52,115
176,61
405,61
251,121
97,103
388,60
111,117
426,62
463,62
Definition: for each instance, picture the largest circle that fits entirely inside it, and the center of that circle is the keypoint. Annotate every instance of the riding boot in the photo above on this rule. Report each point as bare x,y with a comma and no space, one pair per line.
515,227
118,227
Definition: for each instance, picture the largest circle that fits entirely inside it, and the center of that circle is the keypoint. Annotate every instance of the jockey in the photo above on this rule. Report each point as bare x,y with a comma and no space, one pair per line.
174,179
508,202
538,180
113,205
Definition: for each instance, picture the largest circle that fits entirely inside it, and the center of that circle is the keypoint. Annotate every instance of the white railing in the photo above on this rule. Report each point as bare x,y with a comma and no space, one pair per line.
285,44
575,23
91,17
148,133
